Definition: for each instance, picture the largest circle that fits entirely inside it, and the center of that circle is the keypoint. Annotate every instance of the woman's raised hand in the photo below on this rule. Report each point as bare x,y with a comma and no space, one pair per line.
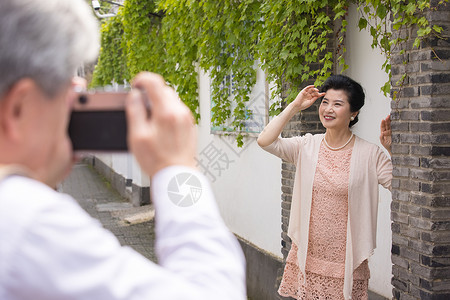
307,97
386,133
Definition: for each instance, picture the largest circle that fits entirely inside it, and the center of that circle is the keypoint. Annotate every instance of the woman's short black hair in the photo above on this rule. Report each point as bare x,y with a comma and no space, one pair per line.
353,89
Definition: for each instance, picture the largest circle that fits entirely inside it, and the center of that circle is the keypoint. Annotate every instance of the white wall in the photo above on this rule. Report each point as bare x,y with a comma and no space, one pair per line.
248,190
365,67
125,165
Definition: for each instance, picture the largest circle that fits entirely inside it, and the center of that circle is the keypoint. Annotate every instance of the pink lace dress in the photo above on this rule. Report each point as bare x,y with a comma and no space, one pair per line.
325,263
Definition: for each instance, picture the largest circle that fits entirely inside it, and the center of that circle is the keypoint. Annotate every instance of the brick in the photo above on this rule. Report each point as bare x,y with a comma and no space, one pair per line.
395,206
443,138
435,163
414,292
409,231
441,77
400,126
440,151
436,214
420,126
429,102
409,115
421,199
440,250
286,206
435,285
285,237
395,228
410,185
436,236
399,217
412,210
400,196
400,261
288,166
435,188
413,67
398,69
285,213
408,276
443,273
395,183
286,189
440,201
400,172
443,54
399,284
441,225
409,138
422,174
399,104
418,222
440,6
420,55
406,161
287,182
421,271
396,138
401,149
285,198
287,174
419,150
400,240
435,66
441,176
309,117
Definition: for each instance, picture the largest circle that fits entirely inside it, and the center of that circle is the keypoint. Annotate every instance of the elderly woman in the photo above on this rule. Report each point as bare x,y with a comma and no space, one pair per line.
334,203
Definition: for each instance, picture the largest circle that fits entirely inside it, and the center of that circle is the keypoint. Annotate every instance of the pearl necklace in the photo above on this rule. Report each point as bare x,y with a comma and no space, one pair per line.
338,148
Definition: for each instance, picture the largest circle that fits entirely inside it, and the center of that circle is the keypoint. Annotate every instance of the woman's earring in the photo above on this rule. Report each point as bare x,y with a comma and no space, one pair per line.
352,118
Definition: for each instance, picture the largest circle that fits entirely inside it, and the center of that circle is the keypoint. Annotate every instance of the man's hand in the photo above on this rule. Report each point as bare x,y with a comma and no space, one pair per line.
165,137
386,134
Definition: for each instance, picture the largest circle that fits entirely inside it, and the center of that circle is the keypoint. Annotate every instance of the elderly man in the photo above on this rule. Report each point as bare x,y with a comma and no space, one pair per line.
49,247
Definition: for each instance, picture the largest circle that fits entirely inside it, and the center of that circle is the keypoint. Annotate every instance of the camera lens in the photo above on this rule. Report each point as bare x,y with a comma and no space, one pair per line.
83,99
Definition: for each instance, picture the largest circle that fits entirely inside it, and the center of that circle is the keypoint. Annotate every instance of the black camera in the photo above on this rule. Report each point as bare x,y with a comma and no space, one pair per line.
98,122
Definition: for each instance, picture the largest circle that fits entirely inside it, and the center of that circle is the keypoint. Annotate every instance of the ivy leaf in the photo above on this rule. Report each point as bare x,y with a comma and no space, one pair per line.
362,24
386,88
438,29
382,10
416,43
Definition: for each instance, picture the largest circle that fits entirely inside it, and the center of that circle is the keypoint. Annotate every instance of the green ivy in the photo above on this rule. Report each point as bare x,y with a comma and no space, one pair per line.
289,39
294,40
378,16
111,66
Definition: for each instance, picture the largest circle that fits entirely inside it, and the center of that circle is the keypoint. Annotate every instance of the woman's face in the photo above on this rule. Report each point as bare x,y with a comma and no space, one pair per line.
334,110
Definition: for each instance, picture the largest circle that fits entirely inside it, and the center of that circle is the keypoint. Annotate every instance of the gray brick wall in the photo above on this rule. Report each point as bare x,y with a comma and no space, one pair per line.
420,210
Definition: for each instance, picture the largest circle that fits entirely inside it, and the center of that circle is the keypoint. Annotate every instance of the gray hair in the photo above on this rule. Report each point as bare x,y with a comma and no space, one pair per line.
45,40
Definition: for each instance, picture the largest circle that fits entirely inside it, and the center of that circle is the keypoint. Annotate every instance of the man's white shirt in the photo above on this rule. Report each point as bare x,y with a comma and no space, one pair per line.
50,248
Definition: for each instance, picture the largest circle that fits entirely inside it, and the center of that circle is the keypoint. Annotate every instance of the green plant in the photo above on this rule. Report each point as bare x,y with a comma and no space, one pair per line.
390,22
289,39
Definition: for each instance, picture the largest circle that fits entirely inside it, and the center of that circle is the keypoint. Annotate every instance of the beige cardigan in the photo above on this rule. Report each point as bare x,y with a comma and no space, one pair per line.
369,166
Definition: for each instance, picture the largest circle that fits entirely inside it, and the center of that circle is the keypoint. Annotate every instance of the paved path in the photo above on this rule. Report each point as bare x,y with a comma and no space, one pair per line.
133,226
